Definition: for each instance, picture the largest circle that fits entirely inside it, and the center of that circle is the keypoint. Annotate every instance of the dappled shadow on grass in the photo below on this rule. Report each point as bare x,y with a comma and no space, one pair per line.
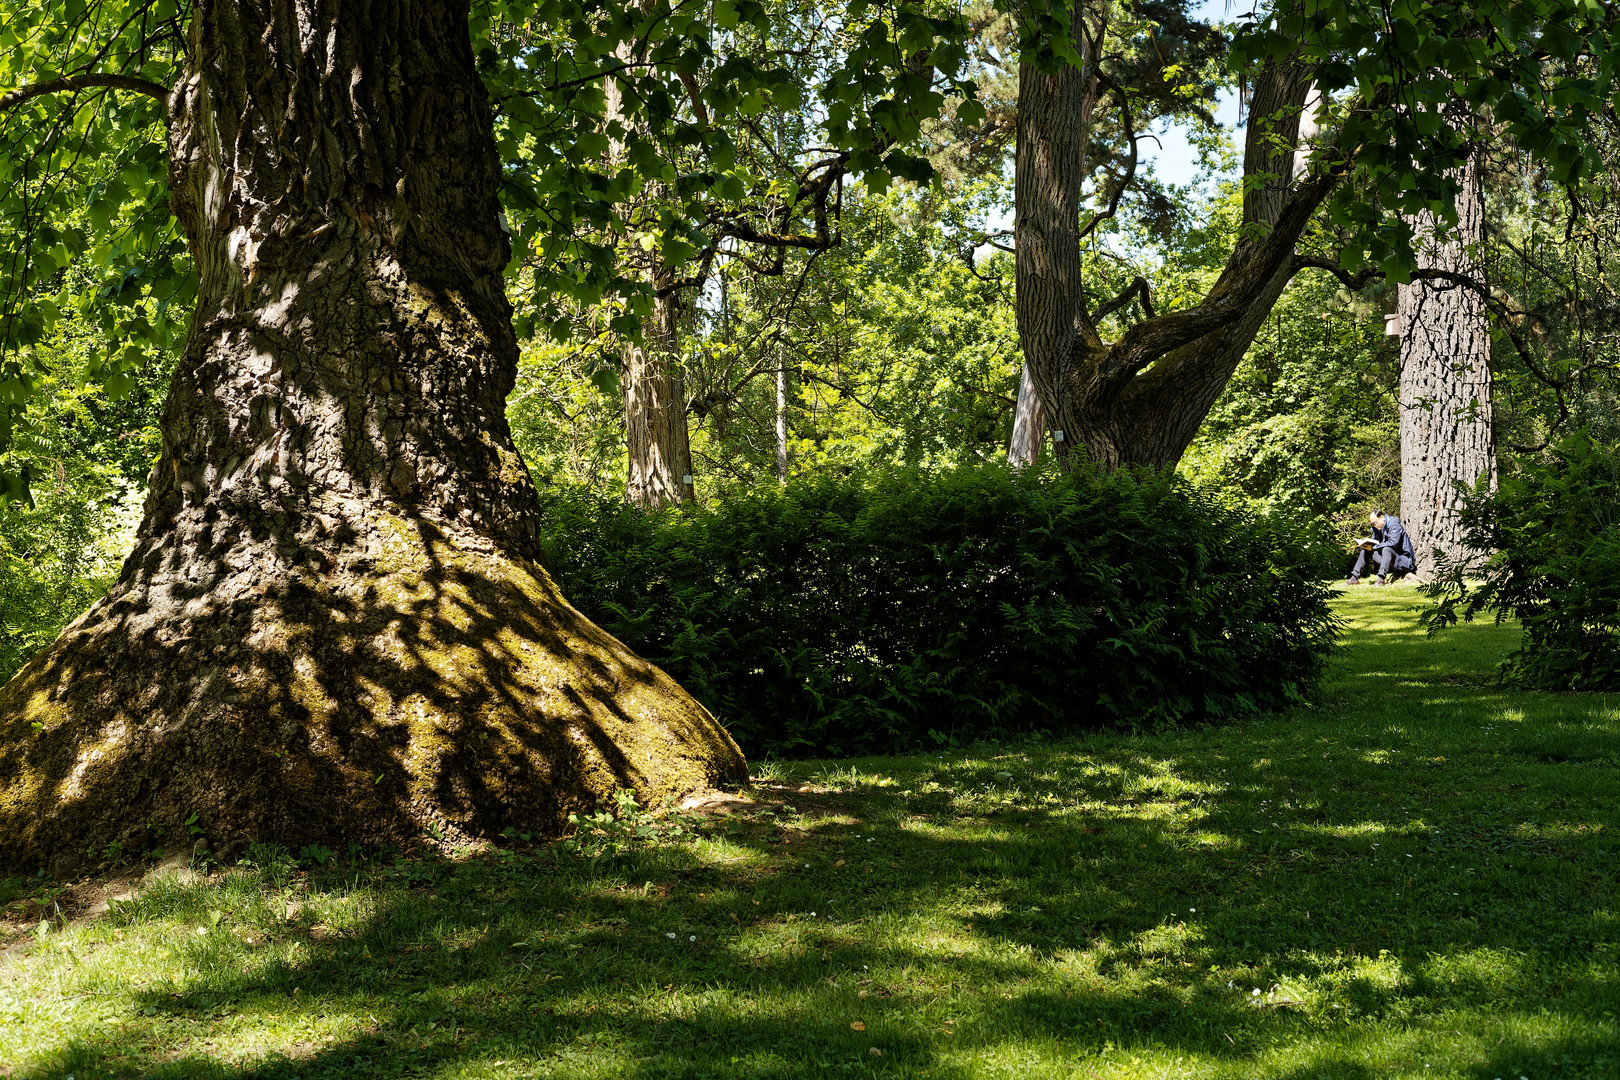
1071,901
1378,874
537,1017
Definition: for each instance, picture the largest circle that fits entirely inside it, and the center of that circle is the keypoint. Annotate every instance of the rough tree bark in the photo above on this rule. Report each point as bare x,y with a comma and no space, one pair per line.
1446,428
334,624
656,432
781,419
1029,424
1139,400
1053,137
657,439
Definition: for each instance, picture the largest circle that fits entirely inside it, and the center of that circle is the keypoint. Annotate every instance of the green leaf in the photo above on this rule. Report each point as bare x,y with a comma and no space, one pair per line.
118,384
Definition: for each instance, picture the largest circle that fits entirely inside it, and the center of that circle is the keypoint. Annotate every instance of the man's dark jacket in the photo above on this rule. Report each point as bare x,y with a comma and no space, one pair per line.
1393,535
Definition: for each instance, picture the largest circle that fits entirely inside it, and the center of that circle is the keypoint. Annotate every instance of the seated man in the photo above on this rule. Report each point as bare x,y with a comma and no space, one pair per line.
1391,551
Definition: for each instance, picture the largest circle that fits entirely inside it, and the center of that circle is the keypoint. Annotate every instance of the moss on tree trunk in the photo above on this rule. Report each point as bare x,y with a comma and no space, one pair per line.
334,625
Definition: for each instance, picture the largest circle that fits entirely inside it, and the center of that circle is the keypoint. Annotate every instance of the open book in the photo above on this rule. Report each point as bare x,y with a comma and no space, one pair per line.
1366,543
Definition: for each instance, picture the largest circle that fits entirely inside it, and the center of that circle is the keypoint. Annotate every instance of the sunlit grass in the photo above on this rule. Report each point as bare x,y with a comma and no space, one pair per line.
1416,878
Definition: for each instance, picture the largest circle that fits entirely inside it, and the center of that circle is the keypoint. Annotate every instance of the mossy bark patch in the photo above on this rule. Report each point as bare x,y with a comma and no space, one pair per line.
465,694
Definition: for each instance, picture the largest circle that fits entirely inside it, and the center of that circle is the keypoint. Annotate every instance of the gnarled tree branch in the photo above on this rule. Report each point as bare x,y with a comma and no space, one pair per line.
1137,288
89,81
1354,282
1130,168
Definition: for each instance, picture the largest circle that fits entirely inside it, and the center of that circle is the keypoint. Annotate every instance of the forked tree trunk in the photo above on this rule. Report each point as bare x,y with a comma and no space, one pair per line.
656,432
1140,400
1152,417
334,625
1446,428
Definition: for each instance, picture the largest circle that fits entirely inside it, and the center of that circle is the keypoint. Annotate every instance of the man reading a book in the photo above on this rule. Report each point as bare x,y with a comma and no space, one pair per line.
1388,550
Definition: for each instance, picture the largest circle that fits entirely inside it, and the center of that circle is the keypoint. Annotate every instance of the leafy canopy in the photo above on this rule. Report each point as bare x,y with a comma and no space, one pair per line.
83,170
1414,85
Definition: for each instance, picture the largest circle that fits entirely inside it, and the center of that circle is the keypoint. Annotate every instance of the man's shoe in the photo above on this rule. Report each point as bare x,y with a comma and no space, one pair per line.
1380,581
1352,581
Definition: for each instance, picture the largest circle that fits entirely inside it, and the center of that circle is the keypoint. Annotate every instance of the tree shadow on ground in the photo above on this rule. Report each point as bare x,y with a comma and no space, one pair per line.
1119,891
426,682
1073,900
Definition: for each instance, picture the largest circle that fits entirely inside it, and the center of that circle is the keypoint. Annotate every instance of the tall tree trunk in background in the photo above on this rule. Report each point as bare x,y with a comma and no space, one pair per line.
1053,136
657,439
334,624
656,432
1029,424
1446,429
781,421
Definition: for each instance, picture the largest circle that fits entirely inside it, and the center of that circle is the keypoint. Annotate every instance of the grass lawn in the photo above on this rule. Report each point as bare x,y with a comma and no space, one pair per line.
1418,878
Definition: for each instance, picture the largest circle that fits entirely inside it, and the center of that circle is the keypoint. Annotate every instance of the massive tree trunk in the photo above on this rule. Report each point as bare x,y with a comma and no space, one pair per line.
1446,430
656,432
1140,400
334,625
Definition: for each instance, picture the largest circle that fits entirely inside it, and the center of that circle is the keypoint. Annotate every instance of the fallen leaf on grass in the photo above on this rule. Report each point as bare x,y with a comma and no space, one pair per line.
857,1025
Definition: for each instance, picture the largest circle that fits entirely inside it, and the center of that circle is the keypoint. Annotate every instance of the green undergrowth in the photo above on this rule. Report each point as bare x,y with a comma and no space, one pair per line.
1417,878
897,610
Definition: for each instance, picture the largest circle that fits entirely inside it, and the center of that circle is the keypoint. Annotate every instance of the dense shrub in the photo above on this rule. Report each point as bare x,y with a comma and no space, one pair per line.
1553,534
845,615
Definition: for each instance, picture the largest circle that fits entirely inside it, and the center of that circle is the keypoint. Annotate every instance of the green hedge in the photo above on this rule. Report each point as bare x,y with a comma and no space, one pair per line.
904,609
1553,534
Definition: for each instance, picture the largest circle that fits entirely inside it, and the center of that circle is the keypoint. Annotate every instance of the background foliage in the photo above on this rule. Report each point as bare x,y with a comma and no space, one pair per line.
1553,534
59,553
